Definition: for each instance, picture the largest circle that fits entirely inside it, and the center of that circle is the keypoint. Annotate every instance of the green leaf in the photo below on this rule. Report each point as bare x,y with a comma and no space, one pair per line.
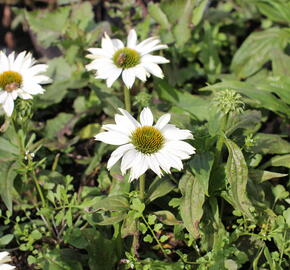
201,165
89,131
158,15
257,50
262,176
6,239
277,161
195,105
280,192
7,146
237,176
286,215
159,188
167,217
112,220
83,15
7,176
270,144
280,63
112,203
198,11
148,238
191,207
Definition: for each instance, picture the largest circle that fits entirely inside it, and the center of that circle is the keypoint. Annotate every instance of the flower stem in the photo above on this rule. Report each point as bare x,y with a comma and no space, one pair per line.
127,99
142,186
38,188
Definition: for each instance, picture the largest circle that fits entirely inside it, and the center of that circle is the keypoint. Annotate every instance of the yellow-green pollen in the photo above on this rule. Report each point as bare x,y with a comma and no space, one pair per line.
147,139
126,58
10,80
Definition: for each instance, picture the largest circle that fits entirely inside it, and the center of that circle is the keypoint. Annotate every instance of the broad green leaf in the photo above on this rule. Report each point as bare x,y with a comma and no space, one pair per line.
129,226
82,14
7,146
262,99
167,217
159,188
112,203
275,10
262,176
270,144
191,207
280,63
197,106
198,11
6,239
89,131
237,175
158,15
111,220
201,165
256,51
277,161
182,30
7,176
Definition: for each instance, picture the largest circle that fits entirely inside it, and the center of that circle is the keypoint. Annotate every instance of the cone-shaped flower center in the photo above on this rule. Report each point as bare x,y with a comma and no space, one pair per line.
126,58
10,80
147,139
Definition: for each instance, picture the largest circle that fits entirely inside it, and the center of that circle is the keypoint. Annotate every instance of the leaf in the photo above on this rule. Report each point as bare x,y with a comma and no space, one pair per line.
201,165
256,51
89,131
197,106
112,220
192,201
158,15
199,11
7,176
159,188
278,161
6,239
262,176
270,144
237,176
7,146
112,203
280,63
263,99
181,30
82,14
167,217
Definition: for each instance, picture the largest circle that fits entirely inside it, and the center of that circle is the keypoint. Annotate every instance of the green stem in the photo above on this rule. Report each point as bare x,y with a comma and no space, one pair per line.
154,236
127,99
142,187
38,188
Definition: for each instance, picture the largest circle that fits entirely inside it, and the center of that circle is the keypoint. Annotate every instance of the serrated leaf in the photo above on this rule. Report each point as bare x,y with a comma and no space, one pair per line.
191,206
237,176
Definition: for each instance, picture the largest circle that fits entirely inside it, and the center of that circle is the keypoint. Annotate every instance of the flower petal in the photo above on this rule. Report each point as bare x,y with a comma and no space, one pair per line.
153,164
132,39
8,105
112,137
171,132
3,96
130,117
128,76
128,159
117,154
163,120
146,117
148,58
153,69
113,76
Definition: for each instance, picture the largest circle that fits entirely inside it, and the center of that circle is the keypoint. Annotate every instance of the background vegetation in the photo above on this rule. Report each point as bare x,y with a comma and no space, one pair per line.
228,209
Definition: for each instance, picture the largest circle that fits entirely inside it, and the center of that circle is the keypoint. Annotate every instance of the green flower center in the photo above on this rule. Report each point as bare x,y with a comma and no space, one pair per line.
147,139
126,58
10,80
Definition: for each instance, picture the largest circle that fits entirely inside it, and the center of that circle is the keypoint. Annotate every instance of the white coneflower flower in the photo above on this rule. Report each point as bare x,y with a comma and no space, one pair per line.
19,77
132,61
4,259
146,146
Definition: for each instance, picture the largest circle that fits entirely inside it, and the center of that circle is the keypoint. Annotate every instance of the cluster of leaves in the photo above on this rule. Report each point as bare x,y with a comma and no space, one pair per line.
228,82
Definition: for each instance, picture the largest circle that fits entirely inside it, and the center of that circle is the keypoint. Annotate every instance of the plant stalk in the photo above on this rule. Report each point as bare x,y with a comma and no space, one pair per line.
142,187
127,99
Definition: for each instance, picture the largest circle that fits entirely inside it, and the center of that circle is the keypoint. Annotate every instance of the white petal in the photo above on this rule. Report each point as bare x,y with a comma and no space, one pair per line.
127,160
107,45
153,164
153,69
163,162
139,166
24,95
130,117
148,58
3,96
4,62
32,88
180,146
118,153
146,117
6,267
114,74
111,137
3,254
118,44
117,128
171,132
150,49
124,123
173,160
163,120
98,53
8,105
40,68
19,61
132,39
140,72
128,76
